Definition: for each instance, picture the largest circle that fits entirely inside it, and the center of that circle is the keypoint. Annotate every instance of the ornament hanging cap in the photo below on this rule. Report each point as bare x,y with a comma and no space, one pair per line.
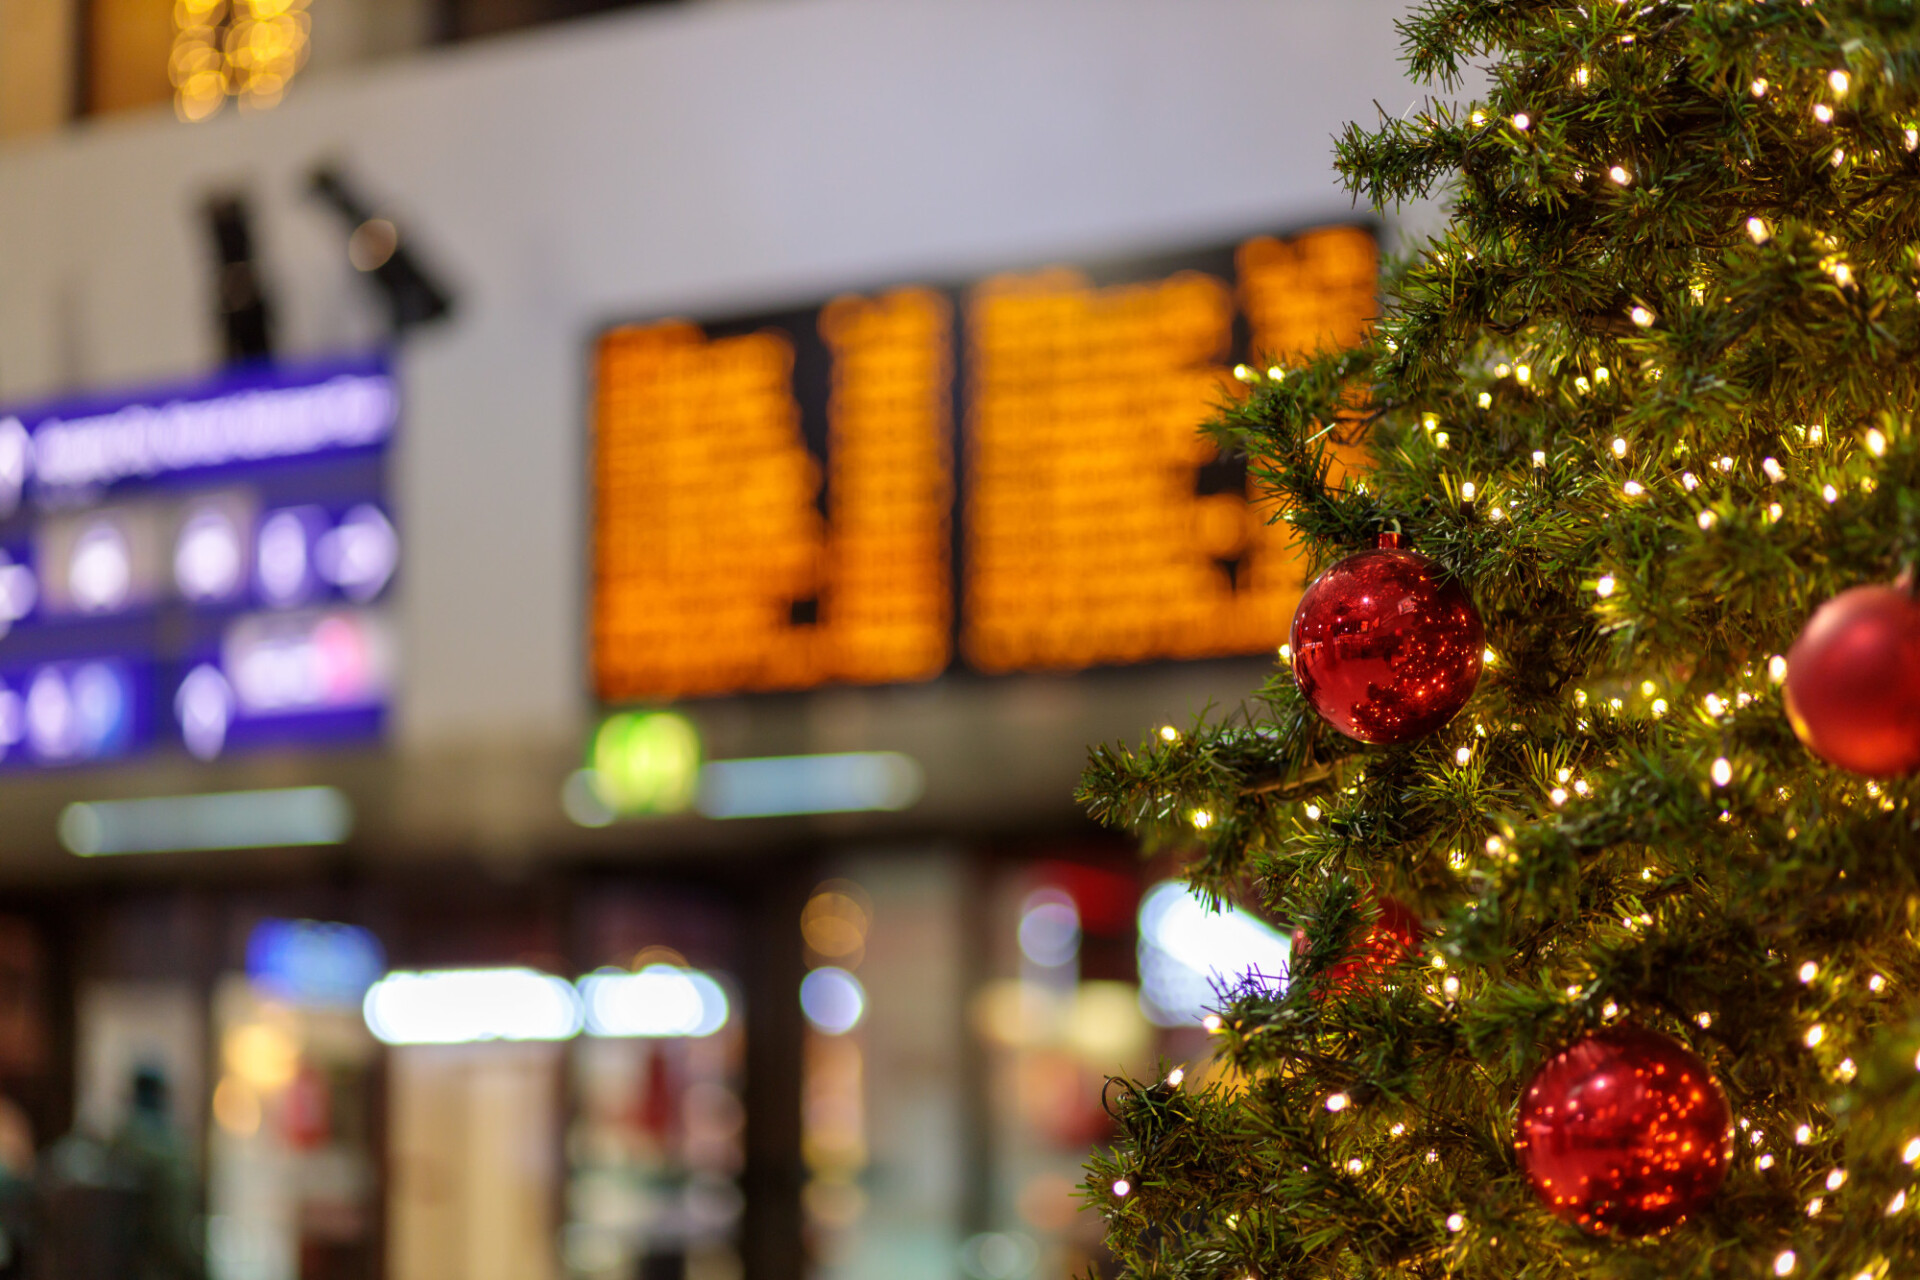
1390,540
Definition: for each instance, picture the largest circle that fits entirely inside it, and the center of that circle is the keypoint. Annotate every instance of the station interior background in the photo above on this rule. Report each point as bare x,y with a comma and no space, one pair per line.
612,817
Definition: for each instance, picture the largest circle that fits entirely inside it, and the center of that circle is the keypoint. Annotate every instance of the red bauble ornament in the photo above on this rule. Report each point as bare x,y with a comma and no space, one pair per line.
1626,1131
1385,646
1853,680
1391,936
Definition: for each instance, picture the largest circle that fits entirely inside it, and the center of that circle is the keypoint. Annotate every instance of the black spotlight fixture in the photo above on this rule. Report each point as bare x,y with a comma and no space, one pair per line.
375,248
240,301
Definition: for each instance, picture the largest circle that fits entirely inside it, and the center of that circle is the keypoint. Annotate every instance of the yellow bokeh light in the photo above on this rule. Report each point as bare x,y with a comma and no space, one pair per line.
262,1055
236,1107
835,920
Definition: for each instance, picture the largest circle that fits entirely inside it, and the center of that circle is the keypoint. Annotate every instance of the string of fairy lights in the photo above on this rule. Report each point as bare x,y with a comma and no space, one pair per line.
1833,463
246,50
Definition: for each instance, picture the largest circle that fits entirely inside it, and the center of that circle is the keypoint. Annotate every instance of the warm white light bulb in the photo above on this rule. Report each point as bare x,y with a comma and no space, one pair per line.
1619,447
1757,228
1337,1102
1823,113
1706,519
1839,82
1522,121
1620,175
1604,587
1722,772
1642,317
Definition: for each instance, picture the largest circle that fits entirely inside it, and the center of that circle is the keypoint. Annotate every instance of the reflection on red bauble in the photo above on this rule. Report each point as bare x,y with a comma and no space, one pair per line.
1626,1131
1387,940
1853,681
1385,646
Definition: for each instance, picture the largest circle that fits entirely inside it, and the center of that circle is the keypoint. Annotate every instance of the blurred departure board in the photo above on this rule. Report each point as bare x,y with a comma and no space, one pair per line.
777,505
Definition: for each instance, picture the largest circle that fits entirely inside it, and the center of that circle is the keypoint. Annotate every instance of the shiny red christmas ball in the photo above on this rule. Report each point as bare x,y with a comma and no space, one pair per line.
1394,933
1386,647
1626,1131
1853,680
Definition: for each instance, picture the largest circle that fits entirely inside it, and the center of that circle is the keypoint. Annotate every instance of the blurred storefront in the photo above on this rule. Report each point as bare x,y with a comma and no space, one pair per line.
553,594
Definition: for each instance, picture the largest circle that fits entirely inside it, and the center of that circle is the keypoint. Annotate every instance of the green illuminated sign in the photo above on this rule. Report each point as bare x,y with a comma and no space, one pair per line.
646,762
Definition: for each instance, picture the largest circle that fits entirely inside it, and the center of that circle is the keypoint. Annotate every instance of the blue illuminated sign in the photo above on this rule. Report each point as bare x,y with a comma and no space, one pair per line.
244,418
230,541
74,712
313,963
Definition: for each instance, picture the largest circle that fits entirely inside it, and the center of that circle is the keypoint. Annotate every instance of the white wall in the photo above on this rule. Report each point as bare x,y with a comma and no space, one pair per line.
678,160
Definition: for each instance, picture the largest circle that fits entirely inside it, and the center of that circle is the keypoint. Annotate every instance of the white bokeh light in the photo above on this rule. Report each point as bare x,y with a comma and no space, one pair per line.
51,731
359,554
19,592
833,1000
100,570
468,1006
281,558
1049,928
204,708
1187,950
16,458
208,561
661,1000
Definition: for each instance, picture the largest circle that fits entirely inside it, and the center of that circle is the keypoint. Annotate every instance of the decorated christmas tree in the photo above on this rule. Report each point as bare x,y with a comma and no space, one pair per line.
1585,783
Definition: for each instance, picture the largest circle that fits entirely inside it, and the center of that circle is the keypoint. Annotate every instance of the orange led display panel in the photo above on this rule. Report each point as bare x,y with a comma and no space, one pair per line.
717,566
775,500
1088,540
